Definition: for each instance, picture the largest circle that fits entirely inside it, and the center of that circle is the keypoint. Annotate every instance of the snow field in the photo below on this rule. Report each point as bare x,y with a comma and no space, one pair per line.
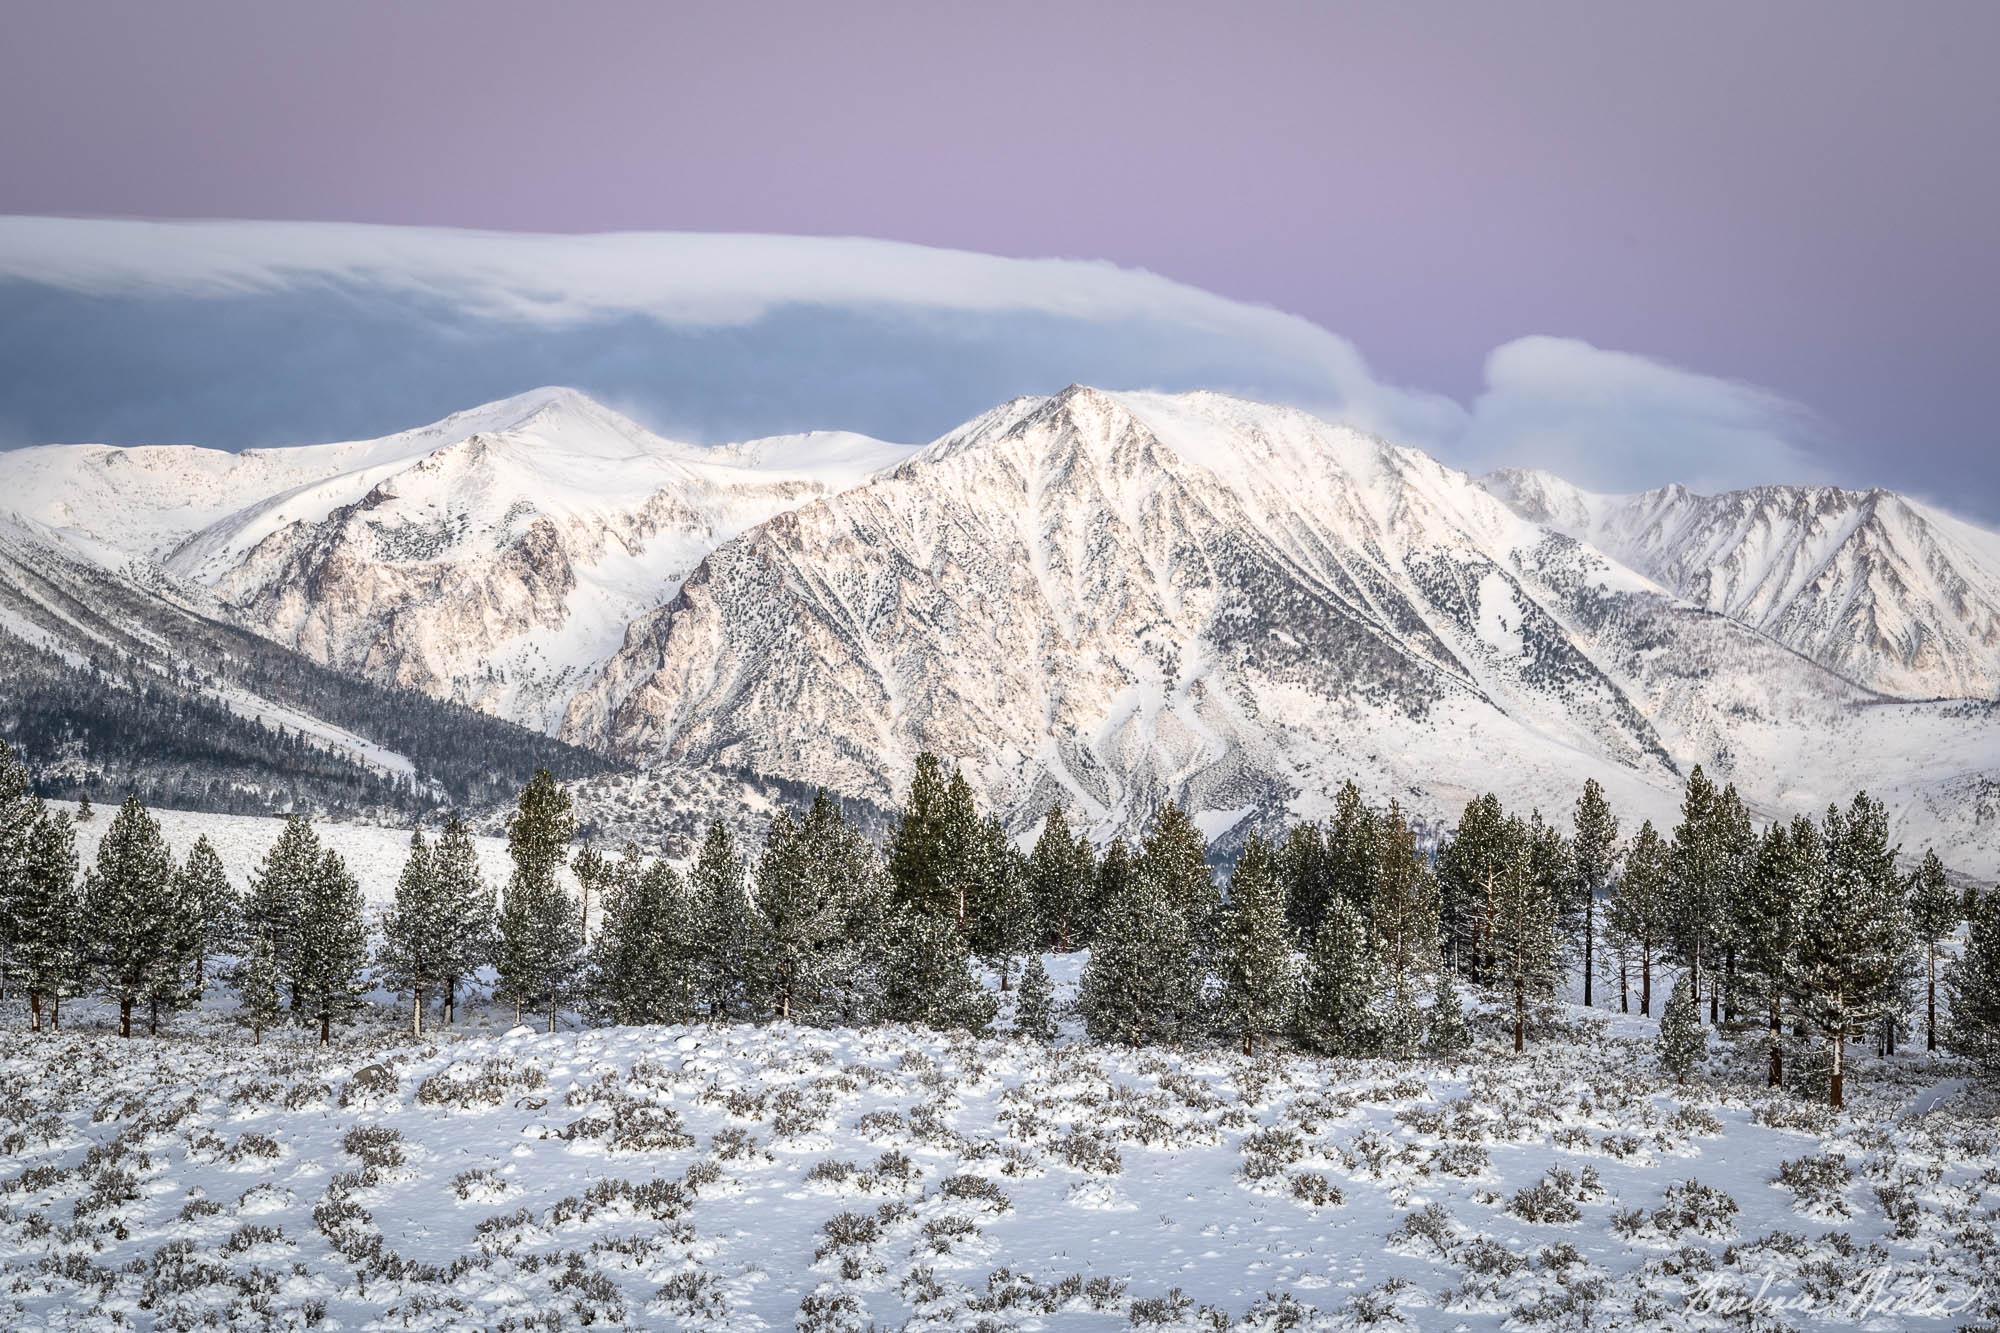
745,1178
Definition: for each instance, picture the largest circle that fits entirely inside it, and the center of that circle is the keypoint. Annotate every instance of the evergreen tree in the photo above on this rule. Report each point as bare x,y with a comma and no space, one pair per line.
541,932
215,910
1143,983
1259,983
1173,856
1008,925
963,848
46,919
126,903
593,873
332,946
917,875
1934,915
271,911
1035,1003
84,812
1352,850
1765,922
418,933
1640,913
255,979
1711,850
723,926
797,924
18,815
644,966
1852,933
1114,879
1525,946
1337,1015
1972,985
473,926
929,980
847,872
1447,1035
1305,873
1593,864
1063,869
1405,919
1469,869
1682,1042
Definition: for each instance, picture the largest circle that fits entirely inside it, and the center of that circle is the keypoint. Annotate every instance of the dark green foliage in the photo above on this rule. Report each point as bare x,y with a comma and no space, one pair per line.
1446,1033
1935,912
541,930
644,962
724,928
1640,915
1854,931
44,914
1035,1003
467,903
1144,980
129,928
213,907
1682,1042
1593,864
822,904
1469,868
272,909
1063,872
326,971
419,936
1259,983
1339,1010
1972,983
259,1006
929,979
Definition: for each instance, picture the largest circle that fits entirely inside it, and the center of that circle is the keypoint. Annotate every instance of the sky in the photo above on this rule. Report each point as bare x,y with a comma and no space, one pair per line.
1693,241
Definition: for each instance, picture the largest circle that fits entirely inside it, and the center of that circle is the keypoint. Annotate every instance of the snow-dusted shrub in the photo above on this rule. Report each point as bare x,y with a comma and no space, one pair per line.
1688,1206
1088,1152
369,1085
1465,1160
1161,1311
487,1085
1818,1184
1315,1190
694,1295
1427,1232
376,1146
1551,1201
975,1189
1815,1118
831,1309
945,1233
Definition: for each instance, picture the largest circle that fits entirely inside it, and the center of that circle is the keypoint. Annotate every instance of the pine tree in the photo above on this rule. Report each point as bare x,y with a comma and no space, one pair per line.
1593,865
1765,922
1337,1014
216,910
1852,934
473,926
255,979
1062,869
797,925
126,902
1174,857
644,961
418,934
1035,1003
277,894
1352,850
541,933
1008,925
723,926
847,873
84,812
46,918
1934,915
1640,913
1405,920
332,946
1712,849
1259,983
929,980
917,875
593,874
1306,876
1143,983
18,815
1682,1042
1469,869
1972,985
1525,946
1447,1035
175,982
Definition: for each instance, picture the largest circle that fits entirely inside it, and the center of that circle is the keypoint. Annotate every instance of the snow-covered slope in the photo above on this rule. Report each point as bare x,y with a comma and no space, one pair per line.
1891,593
1125,598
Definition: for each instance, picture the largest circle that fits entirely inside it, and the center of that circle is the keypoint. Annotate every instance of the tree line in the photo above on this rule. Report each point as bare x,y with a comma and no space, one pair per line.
1345,935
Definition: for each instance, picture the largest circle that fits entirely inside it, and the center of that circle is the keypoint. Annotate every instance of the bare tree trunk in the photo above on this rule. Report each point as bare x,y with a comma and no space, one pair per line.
35,1009
325,1028
1249,1043
1777,1075
1624,987
1833,1092
451,1001
1589,937
1520,1013
417,1012
552,1013
1930,998
55,1011
1646,984
124,1017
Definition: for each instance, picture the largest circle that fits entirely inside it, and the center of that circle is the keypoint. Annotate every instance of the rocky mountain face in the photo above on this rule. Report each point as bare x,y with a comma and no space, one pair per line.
1111,599
1890,593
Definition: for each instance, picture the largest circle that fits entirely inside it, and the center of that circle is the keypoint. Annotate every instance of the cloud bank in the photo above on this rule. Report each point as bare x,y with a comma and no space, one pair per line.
254,333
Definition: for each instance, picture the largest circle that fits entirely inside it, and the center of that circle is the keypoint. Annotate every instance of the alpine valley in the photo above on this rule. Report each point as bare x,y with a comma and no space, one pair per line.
1115,599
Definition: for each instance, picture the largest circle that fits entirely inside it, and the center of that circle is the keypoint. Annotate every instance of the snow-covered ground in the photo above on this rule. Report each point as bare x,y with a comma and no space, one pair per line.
746,1177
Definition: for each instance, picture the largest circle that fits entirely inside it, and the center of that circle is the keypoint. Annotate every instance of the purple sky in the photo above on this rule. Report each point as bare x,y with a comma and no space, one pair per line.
1802,195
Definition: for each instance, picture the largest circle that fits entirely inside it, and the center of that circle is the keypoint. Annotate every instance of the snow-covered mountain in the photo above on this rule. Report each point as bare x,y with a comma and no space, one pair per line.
1115,597
1891,593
